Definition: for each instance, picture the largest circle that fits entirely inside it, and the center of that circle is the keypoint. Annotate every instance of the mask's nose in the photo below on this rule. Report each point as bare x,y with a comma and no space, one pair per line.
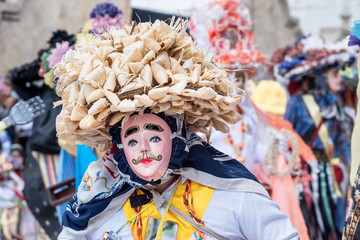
144,146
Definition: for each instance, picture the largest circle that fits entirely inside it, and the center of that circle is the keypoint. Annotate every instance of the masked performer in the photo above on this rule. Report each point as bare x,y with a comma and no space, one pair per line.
224,28
42,149
309,68
147,88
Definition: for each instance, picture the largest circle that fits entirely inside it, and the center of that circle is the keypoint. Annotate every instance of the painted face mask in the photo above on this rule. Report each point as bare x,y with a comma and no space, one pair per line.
334,80
147,145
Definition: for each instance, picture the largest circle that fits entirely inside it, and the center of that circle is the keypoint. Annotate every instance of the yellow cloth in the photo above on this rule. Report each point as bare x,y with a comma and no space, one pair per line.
49,79
269,96
347,72
323,133
2,125
355,139
314,111
84,37
202,196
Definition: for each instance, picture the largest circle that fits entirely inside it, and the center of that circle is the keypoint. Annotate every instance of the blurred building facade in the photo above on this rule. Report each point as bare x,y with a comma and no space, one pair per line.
318,17
26,25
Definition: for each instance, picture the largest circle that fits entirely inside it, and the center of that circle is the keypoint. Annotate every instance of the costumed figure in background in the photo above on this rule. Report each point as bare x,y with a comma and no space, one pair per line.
13,209
309,69
11,181
63,171
11,190
147,88
352,227
224,28
42,149
73,159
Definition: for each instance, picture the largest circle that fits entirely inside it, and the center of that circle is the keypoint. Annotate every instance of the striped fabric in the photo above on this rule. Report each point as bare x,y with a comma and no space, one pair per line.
48,164
298,114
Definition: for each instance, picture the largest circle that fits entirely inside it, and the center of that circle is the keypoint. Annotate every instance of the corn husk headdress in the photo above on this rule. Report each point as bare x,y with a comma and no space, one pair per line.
145,66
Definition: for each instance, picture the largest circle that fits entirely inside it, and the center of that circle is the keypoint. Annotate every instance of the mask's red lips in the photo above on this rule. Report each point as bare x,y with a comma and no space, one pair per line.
146,161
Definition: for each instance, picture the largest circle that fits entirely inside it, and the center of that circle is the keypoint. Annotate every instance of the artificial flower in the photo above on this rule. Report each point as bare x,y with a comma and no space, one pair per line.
57,53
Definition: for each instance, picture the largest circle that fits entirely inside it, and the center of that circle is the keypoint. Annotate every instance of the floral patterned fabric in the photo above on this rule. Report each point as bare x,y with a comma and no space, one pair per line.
352,226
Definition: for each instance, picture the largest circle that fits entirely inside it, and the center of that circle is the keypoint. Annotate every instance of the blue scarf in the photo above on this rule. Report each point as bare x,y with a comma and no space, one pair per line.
191,158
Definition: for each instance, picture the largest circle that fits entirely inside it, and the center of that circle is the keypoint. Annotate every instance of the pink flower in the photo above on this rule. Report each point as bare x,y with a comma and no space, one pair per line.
99,23
57,53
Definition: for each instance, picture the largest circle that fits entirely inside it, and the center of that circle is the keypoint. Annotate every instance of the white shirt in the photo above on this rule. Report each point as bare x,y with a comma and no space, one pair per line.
233,215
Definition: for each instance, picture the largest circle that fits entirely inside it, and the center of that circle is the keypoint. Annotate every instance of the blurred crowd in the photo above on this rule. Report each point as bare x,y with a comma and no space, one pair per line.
295,135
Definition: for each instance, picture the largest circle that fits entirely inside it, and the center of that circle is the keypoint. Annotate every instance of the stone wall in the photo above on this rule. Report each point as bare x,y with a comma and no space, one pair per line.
26,25
273,25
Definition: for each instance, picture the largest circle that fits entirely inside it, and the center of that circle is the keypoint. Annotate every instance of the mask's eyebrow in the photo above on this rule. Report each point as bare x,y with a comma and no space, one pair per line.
131,130
153,127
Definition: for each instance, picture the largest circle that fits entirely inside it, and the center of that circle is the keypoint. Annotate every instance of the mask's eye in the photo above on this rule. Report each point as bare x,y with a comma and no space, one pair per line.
132,143
155,139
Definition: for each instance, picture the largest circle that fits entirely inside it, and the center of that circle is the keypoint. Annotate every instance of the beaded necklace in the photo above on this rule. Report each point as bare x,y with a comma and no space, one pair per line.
238,148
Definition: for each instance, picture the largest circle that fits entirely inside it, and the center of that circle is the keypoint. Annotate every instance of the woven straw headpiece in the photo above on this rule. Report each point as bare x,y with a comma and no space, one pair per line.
145,66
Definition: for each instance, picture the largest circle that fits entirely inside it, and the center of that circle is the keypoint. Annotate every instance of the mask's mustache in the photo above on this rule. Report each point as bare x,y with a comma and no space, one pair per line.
146,155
